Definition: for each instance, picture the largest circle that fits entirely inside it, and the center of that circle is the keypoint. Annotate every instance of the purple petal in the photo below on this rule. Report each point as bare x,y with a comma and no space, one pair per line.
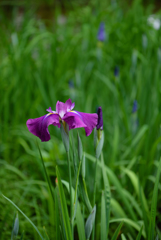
69,105
63,108
79,119
39,126
50,110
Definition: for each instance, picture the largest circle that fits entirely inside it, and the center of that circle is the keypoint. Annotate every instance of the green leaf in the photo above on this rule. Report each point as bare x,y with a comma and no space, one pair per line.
79,217
107,195
154,205
139,234
123,237
133,202
116,233
138,137
103,218
46,235
100,144
145,210
95,138
24,216
22,236
76,187
80,223
107,82
117,184
130,223
80,148
84,194
133,178
15,228
60,227
46,174
90,223
83,167
116,209
57,215
64,207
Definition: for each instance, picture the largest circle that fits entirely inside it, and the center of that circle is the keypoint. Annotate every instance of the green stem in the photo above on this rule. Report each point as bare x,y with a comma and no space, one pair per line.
46,175
94,194
70,190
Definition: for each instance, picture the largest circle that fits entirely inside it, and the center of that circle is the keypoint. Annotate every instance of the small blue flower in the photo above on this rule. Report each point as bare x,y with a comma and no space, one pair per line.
71,83
101,36
135,106
116,71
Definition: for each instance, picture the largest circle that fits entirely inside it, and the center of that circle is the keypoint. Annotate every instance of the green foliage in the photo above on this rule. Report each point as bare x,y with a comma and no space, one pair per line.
15,227
90,222
64,208
39,57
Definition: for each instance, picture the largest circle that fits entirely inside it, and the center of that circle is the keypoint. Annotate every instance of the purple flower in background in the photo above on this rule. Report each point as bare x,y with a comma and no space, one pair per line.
64,113
116,71
100,119
101,32
135,106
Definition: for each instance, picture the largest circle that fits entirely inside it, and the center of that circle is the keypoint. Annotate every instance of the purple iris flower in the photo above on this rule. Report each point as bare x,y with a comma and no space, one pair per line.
101,32
100,119
135,106
64,113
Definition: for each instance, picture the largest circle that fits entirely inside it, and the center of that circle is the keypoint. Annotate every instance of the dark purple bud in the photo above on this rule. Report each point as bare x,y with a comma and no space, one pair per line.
100,119
116,71
101,32
135,106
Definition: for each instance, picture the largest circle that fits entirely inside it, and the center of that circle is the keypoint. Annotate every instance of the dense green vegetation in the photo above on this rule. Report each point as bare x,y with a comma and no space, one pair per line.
43,61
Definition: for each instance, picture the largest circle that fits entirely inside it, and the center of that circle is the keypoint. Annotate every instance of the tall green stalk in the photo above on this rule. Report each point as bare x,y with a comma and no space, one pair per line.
46,175
94,193
65,137
70,190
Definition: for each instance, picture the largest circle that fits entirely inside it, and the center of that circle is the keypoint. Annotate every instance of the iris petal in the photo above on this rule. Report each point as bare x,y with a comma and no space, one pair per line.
63,108
79,119
39,126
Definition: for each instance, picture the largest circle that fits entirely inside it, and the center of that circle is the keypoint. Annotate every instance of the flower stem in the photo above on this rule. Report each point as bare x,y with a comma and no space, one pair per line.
70,190
94,194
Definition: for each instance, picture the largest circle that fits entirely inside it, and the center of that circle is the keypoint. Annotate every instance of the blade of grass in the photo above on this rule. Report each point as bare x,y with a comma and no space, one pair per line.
144,208
154,205
107,194
130,223
24,216
118,186
46,174
116,233
79,217
139,234
64,207
103,218
57,217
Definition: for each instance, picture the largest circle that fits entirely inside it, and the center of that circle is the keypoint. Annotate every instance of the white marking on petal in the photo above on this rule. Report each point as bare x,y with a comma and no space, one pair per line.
61,113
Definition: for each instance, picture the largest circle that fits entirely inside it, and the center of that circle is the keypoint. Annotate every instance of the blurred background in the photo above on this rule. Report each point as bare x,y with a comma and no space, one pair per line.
98,53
